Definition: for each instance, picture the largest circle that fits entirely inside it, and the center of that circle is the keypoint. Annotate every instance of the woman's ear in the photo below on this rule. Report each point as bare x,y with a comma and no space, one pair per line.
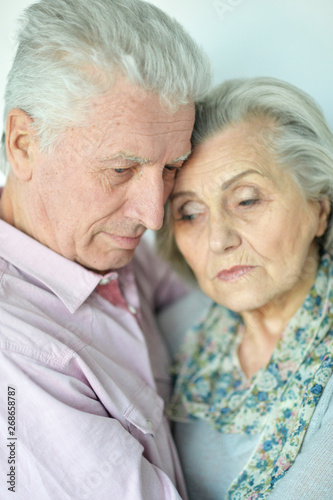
325,210
19,143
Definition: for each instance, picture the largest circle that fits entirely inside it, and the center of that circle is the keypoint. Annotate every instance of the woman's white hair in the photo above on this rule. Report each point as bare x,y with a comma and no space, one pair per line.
298,139
70,51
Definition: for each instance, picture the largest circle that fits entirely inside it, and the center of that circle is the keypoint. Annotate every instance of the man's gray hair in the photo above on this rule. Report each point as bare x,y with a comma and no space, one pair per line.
70,51
298,139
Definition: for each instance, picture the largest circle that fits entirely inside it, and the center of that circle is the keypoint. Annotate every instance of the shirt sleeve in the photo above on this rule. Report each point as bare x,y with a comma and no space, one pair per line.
311,474
58,441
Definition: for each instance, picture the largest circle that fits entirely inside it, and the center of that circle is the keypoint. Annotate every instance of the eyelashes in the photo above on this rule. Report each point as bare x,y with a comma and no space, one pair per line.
186,218
250,202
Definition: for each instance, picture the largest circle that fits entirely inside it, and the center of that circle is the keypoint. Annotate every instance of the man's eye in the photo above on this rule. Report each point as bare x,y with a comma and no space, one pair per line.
119,170
170,168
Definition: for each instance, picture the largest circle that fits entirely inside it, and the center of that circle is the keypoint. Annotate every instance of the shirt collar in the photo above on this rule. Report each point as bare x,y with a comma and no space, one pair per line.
70,281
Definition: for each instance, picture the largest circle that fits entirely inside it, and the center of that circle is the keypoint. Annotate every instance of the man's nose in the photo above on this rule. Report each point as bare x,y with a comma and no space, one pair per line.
222,235
146,200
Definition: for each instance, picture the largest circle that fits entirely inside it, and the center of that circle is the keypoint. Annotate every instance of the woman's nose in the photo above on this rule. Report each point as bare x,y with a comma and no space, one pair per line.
222,235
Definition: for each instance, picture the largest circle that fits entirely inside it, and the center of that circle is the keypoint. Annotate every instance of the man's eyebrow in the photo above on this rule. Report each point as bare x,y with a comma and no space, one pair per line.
138,159
181,158
127,157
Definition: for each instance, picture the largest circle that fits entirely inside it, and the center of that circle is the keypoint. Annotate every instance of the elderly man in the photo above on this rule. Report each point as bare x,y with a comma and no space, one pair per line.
99,113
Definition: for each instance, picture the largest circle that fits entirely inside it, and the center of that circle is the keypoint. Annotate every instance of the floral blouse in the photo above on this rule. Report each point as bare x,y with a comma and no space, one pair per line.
277,402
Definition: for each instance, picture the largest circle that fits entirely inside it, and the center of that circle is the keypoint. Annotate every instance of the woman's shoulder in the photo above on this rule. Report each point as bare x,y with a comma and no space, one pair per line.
323,413
311,474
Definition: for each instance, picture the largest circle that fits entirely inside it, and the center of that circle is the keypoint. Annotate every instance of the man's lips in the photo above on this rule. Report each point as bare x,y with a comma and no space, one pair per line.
124,242
234,273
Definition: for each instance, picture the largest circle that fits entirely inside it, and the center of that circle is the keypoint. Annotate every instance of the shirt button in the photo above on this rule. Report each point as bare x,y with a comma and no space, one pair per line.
105,281
150,425
132,309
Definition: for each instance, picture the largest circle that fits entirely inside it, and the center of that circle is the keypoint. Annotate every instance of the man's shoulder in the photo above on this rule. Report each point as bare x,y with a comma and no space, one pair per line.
33,321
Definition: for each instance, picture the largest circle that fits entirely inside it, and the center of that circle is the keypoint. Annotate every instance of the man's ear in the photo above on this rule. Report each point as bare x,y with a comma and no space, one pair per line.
325,209
19,143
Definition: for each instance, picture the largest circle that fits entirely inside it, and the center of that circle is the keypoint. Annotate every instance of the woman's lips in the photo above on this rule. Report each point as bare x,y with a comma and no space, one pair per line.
234,273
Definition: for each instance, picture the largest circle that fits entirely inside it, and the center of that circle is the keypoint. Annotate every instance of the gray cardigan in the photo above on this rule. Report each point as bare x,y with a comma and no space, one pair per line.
212,460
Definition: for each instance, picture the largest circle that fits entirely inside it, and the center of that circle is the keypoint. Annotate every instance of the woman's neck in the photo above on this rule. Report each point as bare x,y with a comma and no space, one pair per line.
263,327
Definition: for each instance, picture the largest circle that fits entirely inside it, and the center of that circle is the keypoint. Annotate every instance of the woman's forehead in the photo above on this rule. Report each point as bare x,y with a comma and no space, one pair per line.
227,154
241,142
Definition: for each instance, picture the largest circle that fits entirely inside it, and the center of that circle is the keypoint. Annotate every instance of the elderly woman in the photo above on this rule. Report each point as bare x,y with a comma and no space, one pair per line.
250,218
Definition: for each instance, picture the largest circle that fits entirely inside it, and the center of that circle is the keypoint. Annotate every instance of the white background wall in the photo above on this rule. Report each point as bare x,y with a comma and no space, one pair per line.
288,39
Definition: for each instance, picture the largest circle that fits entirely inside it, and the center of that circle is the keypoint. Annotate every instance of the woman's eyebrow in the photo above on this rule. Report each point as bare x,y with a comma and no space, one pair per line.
174,196
228,183
224,186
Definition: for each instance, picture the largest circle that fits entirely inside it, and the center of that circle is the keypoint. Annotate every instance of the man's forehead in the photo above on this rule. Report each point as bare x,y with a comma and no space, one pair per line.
119,130
125,95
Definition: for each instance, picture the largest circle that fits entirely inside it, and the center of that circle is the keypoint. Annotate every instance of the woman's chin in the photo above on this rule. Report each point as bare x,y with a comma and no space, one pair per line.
240,302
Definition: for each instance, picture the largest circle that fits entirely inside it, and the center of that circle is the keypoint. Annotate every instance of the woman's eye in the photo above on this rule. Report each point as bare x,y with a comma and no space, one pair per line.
187,217
188,211
248,203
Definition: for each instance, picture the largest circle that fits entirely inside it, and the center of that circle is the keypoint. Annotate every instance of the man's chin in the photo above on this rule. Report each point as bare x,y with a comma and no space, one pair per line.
106,263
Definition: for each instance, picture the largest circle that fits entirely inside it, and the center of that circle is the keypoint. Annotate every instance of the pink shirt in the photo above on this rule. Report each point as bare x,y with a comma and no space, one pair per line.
88,422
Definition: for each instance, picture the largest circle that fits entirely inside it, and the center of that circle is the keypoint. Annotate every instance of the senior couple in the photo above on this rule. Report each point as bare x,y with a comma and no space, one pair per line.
99,111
